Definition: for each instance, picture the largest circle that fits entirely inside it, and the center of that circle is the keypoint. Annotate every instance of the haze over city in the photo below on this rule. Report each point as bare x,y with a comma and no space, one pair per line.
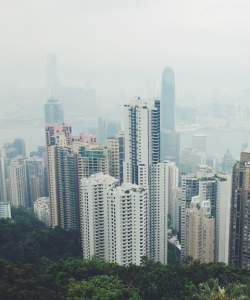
124,149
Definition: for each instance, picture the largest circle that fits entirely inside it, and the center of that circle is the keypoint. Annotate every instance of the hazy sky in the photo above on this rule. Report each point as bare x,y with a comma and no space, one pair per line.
207,43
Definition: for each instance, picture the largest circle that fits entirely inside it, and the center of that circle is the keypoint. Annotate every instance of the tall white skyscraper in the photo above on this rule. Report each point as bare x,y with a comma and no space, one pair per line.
161,190
142,140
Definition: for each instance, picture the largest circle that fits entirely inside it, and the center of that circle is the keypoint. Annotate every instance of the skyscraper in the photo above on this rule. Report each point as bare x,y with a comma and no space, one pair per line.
199,142
170,146
142,140
17,184
116,145
53,111
113,219
52,79
168,100
200,230
69,159
239,246
3,192
214,188
228,162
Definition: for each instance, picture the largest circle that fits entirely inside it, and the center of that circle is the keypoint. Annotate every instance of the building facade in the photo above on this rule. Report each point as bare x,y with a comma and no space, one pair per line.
17,184
199,142
168,100
200,227
239,246
41,209
5,210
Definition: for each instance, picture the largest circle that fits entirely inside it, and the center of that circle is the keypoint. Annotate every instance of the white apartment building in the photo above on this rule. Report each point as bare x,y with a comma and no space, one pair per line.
5,210
163,180
142,140
113,219
125,224
93,192
17,184
42,211
224,189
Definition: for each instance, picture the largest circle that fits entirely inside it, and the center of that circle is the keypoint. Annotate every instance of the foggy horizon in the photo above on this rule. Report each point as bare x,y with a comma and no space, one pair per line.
203,43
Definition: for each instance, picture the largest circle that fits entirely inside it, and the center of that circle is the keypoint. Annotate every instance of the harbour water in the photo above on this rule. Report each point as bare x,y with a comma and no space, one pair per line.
218,141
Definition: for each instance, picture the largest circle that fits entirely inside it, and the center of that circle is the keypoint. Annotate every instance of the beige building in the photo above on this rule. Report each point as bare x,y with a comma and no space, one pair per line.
117,155
200,228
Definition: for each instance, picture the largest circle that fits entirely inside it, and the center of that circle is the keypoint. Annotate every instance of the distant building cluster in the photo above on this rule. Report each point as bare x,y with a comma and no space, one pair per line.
130,193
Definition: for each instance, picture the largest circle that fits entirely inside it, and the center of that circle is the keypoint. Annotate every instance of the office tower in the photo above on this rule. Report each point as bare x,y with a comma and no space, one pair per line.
77,100
42,211
102,130
5,210
11,153
19,145
112,128
52,79
35,179
93,214
199,142
190,158
170,146
142,140
15,148
212,162
240,210
53,111
117,147
176,208
3,192
168,100
92,130
200,226
17,184
228,162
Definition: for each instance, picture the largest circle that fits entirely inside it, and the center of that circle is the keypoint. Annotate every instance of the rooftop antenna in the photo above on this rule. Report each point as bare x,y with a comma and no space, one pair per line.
52,93
148,89
153,90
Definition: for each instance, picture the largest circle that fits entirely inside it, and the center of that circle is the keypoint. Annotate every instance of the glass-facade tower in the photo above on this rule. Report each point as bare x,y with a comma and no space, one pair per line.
168,100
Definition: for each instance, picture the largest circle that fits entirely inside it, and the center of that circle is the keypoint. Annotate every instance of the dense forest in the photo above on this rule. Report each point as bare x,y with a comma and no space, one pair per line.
42,263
